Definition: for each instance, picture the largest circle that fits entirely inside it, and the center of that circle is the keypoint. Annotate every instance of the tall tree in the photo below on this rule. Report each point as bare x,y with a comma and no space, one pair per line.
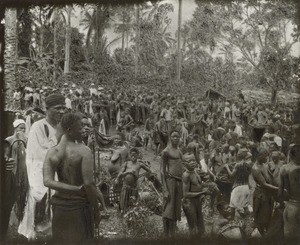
179,41
10,53
258,30
68,41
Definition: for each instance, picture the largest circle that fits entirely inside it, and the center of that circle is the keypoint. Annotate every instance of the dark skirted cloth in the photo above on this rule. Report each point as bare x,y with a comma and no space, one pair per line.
192,208
262,207
73,221
125,197
172,208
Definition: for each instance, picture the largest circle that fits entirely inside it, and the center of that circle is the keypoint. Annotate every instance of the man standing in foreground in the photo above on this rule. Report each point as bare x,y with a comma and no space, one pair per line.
171,176
75,205
43,135
290,182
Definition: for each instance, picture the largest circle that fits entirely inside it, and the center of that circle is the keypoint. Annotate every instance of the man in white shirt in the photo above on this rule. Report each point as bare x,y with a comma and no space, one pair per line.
167,113
238,128
43,135
68,102
93,90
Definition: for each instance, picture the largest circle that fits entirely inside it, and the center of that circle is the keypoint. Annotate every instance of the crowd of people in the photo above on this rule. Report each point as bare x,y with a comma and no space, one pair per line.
243,157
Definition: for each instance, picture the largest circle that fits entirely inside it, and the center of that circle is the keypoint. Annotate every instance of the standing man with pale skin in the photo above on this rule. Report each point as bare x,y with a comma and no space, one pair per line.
43,135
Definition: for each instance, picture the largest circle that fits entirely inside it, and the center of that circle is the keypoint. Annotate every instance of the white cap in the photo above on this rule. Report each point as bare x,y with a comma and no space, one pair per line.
93,84
73,86
65,84
17,122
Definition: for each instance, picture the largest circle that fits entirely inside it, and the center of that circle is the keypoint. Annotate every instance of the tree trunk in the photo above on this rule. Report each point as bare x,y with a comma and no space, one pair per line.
68,42
41,33
55,46
123,33
137,44
178,43
274,96
10,53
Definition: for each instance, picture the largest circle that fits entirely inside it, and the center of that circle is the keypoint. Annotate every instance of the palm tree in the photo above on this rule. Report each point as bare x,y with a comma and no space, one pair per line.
96,20
178,42
68,41
10,53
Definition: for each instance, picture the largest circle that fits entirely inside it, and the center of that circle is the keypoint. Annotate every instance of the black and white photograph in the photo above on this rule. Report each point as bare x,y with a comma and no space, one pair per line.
150,121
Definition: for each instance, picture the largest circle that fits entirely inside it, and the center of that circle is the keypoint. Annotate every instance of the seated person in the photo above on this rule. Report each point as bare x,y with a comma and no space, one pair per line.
130,174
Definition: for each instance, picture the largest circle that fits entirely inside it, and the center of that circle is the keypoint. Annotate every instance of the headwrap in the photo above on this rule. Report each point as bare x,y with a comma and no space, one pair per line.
55,99
17,122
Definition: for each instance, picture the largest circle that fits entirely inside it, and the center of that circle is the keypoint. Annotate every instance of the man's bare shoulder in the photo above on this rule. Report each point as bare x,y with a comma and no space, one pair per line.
185,177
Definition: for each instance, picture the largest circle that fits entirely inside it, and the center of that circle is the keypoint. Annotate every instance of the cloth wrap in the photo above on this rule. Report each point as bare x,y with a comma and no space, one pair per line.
172,208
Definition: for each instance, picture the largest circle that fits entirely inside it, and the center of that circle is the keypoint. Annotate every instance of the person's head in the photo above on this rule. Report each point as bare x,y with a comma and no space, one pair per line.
196,137
275,155
224,210
85,126
295,153
19,125
175,137
119,138
241,155
134,154
225,148
262,155
72,125
191,164
56,107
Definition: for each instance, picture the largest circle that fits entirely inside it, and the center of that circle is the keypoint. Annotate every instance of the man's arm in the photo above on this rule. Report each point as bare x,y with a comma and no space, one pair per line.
282,185
115,156
48,176
145,167
261,181
164,162
197,153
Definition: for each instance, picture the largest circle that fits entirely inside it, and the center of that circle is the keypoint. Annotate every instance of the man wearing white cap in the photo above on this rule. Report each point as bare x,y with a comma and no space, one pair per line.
93,90
43,135
16,185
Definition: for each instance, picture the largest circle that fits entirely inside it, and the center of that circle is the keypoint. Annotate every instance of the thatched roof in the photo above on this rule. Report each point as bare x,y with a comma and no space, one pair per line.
265,97
212,94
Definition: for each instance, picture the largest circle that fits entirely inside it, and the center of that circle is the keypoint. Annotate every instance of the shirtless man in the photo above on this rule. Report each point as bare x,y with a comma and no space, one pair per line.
130,174
192,202
75,205
290,183
195,147
118,157
171,176
263,200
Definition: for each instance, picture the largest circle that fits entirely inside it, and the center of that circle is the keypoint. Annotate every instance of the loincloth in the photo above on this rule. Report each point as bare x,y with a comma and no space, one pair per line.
172,208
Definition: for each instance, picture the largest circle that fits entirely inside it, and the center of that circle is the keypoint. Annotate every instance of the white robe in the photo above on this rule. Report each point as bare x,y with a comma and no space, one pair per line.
37,146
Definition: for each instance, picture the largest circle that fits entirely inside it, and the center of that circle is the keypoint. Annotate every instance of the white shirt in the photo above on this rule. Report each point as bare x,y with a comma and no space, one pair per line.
68,103
238,130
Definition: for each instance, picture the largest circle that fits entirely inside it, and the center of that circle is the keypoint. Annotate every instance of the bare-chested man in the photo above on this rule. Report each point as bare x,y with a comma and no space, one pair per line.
75,205
195,146
290,183
263,200
192,202
171,175
130,174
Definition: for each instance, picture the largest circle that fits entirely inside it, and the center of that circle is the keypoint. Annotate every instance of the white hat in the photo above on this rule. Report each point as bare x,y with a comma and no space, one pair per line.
73,86
93,84
17,122
65,84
